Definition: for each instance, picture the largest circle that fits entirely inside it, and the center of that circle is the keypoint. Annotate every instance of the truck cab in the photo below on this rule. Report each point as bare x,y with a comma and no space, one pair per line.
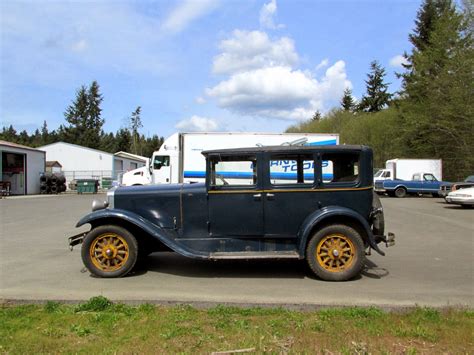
383,174
279,202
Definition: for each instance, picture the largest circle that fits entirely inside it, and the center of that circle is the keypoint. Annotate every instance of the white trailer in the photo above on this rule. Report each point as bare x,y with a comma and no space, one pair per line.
179,159
404,169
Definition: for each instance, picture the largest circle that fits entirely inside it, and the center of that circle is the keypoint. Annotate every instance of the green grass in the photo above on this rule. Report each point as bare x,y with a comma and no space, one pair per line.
101,326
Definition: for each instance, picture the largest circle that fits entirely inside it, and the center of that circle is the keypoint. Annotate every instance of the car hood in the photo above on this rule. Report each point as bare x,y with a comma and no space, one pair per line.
466,191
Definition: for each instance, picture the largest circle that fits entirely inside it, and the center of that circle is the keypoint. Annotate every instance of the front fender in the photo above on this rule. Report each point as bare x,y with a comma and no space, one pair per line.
166,236
332,211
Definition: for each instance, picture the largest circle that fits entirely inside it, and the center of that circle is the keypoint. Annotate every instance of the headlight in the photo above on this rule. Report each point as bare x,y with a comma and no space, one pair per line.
99,205
110,198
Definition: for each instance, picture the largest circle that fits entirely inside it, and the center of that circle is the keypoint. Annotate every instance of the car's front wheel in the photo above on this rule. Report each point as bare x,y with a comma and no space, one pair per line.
336,253
109,251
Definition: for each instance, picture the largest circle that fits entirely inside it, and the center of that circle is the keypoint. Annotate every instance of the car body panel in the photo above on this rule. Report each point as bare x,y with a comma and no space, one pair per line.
203,220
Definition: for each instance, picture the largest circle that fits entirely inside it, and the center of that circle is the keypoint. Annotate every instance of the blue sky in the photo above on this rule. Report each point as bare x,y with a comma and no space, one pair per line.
211,65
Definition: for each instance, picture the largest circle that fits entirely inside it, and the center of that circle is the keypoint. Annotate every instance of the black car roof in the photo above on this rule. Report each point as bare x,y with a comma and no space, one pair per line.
286,149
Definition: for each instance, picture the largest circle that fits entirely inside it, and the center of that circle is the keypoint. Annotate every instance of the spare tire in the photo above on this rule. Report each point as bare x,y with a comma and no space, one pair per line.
378,222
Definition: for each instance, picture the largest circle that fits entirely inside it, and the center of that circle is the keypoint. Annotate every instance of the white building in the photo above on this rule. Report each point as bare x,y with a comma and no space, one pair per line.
21,168
127,161
80,162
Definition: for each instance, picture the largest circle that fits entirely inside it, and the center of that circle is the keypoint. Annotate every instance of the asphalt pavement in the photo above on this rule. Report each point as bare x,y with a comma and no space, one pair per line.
431,264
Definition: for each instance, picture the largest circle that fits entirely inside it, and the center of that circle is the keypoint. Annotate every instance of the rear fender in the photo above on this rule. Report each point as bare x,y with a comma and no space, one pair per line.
165,236
321,216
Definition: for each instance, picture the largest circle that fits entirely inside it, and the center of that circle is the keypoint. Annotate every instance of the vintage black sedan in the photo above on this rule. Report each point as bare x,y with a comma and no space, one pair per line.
302,202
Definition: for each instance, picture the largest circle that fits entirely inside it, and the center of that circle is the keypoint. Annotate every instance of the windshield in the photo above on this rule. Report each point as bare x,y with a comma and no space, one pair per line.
470,179
378,173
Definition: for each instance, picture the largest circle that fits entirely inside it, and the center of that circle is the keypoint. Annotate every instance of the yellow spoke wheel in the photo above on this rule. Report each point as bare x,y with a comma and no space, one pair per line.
335,253
109,252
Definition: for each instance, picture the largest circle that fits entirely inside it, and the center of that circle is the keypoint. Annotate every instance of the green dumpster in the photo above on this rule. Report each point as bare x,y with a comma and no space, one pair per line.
106,183
87,186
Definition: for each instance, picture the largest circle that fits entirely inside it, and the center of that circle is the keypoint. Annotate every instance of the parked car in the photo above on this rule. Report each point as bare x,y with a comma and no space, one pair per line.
280,205
463,197
468,182
421,183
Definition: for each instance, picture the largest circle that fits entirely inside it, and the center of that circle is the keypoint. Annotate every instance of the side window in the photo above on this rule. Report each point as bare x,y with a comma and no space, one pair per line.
291,169
233,171
160,161
340,168
430,177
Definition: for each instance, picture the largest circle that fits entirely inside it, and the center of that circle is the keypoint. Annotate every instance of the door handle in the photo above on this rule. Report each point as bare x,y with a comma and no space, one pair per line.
257,197
270,196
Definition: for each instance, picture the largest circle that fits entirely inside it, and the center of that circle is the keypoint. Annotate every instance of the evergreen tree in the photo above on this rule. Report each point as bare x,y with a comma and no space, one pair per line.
9,134
438,110
135,125
123,140
377,96
429,13
108,143
347,101
152,144
428,16
95,122
84,118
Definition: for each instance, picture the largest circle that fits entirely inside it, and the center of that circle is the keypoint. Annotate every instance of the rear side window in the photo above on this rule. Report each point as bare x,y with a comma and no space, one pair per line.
340,168
233,170
291,169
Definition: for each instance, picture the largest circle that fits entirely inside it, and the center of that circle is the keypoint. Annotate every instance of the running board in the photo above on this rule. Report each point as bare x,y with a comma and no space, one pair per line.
255,255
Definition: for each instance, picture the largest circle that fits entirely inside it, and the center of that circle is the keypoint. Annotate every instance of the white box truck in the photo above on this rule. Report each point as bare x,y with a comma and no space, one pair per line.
403,169
179,159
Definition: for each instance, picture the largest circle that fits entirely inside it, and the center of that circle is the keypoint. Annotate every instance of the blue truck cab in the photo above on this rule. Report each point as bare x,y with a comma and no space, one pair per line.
421,183
278,202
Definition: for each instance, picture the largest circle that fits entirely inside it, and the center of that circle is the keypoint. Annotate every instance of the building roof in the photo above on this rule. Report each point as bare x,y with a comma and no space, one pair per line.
52,163
131,156
19,146
76,146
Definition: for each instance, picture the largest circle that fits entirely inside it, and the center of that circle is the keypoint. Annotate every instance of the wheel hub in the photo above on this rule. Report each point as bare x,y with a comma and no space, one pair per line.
335,253
109,252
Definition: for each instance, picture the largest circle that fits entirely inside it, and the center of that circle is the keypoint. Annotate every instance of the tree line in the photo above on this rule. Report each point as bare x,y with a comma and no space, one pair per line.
432,116
83,126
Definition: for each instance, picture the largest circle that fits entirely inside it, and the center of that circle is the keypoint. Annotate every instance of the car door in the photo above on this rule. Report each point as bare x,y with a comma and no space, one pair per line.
289,197
161,169
430,183
235,197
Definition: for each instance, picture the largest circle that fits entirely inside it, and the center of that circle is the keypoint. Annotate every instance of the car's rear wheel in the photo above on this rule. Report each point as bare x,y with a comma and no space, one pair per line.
109,251
400,192
336,253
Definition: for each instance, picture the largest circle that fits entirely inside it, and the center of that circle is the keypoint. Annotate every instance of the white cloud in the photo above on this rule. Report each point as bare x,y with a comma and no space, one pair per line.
187,12
197,124
267,14
200,100
246,50
323,64
280,92
398,61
